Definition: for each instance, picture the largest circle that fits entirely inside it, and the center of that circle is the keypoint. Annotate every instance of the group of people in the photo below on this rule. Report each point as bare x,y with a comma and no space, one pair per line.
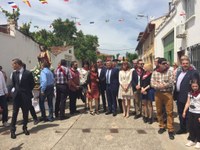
115,86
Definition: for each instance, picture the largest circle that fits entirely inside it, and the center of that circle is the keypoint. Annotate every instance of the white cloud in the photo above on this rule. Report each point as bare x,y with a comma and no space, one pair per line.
113,35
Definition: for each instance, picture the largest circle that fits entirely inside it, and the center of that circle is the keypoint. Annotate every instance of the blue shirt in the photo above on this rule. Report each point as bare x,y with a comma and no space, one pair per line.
46,79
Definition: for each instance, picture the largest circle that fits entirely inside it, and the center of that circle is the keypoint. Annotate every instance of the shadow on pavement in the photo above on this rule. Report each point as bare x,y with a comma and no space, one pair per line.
4,130
41,127
18,147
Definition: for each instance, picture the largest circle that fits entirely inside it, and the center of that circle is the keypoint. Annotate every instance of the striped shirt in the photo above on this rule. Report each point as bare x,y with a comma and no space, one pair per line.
62,75
166,79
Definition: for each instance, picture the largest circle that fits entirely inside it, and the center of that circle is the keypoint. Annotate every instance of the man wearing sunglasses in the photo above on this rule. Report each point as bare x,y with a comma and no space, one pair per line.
162,81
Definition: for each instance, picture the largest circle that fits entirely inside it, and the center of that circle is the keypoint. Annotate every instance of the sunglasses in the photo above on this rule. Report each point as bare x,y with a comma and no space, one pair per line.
164,63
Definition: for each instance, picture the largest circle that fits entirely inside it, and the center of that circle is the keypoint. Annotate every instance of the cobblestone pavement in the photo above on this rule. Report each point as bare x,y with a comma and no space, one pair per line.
86,132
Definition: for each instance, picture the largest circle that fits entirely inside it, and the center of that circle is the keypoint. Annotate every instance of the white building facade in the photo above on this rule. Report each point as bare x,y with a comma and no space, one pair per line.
17,45
63,52
179,34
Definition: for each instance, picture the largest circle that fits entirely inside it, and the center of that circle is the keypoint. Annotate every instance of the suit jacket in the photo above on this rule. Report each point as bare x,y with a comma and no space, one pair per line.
102,79
114,79
185,86
135,80
25,88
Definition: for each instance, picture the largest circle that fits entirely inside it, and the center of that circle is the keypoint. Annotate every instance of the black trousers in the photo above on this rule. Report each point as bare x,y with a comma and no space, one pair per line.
183,121
4,106
33,113
102,93
194,126
25,110
73,95
61,96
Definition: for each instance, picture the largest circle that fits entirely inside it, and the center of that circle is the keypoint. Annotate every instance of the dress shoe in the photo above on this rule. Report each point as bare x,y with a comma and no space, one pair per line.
13,135
97,112
114,114
6,124
108,113
134,113
161,130
145,119
26,132
50,119
44,119
137,116
171,135
35,121
64,117
77,112
181,131
150,120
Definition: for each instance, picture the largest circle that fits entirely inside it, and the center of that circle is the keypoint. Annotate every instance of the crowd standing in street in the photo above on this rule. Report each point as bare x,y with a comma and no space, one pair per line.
111,87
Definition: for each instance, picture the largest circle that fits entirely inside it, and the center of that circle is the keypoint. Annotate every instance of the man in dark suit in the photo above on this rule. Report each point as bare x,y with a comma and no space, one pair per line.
102,82
112,87
136,76
182,87
23,82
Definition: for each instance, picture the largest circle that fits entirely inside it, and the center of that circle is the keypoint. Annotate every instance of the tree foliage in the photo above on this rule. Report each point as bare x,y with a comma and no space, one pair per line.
11,16
85,47
25,28
131,56
64,32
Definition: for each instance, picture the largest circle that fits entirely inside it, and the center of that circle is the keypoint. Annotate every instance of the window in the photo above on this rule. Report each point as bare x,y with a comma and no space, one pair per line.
195,55
189,8
70,51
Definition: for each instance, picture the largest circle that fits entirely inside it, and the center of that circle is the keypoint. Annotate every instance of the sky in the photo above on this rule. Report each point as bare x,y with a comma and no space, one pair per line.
119,35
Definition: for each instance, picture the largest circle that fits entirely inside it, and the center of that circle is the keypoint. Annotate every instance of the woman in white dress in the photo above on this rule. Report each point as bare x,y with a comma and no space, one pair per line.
125,88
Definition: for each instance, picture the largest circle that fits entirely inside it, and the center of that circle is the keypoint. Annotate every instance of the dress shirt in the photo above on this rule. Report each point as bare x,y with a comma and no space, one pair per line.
179,80
3,88
108,73
46,79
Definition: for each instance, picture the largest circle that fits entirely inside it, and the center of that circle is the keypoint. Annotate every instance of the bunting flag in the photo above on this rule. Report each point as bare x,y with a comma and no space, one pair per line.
43,1
13,5
182,13
27,2
78,23
121,20
107,20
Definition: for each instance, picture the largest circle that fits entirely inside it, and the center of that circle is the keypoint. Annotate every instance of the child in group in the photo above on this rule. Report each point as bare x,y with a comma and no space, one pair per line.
193,103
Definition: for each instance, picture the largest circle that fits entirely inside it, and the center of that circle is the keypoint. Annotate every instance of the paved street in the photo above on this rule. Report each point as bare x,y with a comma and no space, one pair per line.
85,132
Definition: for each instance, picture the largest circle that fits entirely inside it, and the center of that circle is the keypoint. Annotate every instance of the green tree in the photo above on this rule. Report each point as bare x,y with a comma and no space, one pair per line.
12,16
44,37
131,56
63,31
102,57
25,28
85,47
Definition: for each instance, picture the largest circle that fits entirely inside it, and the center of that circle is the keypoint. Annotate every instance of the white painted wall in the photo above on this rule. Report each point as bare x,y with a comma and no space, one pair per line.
193,32
64,55
18,46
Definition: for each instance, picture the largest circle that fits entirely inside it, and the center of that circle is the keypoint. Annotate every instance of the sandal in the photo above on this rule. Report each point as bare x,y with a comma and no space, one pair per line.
92,113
